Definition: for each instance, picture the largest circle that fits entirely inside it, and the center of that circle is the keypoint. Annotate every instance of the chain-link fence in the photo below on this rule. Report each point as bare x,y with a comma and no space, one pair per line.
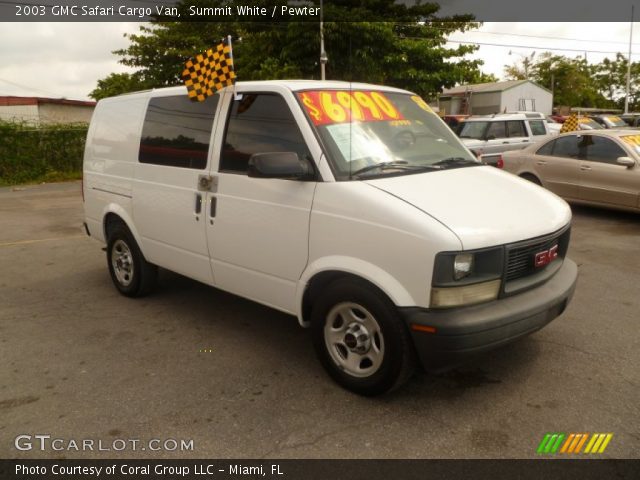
31,153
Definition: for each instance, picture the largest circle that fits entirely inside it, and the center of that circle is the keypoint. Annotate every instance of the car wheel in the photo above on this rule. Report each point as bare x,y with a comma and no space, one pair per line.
360,338
132,275
531,178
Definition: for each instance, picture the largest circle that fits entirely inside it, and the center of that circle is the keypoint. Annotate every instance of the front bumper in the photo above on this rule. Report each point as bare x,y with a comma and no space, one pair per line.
461,332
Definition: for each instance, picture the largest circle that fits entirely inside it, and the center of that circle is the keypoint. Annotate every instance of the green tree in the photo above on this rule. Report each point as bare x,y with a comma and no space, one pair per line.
572,80
117,83
390,43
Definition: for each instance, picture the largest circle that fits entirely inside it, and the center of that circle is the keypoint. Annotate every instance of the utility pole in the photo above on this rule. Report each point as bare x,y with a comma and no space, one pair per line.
323,55
626,97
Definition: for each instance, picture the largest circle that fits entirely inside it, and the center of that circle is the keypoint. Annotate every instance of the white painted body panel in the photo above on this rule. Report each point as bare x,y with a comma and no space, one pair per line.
482,205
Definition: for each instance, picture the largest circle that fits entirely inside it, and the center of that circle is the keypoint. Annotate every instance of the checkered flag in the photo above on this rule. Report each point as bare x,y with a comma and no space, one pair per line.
570,124
209,72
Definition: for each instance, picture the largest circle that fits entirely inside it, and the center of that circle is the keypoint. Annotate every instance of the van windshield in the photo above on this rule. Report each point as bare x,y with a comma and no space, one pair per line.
374,133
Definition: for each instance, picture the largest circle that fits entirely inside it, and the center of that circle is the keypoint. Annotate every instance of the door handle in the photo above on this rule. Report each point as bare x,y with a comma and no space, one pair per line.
198,208
212,209
584,168
541,162
505,143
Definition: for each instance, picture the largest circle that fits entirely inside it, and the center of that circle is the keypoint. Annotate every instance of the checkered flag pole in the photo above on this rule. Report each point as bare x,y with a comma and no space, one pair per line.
207,73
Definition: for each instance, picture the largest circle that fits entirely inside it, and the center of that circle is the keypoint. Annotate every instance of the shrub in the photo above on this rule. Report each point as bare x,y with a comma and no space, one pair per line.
31,153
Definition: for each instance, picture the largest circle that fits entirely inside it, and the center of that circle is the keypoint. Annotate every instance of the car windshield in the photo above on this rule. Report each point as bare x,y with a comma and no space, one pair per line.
589,124
615,121
474,130
375,133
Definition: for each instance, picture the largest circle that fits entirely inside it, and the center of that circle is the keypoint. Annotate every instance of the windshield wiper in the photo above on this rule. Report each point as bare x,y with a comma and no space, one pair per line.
456,162
382,166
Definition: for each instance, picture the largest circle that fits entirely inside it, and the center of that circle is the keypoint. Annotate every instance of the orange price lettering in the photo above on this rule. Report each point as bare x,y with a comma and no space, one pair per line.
367,102
333,110
347,101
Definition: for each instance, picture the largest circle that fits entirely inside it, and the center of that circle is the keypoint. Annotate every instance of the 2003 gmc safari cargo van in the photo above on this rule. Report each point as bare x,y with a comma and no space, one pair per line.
383,234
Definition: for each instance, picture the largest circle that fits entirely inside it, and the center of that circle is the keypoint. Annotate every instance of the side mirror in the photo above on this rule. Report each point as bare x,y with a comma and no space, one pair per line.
626,162
286,165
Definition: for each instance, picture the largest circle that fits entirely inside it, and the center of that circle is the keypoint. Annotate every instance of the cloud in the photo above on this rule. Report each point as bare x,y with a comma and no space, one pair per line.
59,59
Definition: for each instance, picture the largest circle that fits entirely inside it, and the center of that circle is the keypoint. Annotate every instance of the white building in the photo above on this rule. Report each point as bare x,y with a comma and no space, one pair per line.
39,111
496,97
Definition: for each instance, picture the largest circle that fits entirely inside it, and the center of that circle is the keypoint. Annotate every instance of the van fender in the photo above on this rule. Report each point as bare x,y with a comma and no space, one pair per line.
124,216
353,266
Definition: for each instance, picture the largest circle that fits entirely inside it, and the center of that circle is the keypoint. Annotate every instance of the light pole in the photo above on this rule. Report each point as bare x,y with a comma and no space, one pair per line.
626,97
323,55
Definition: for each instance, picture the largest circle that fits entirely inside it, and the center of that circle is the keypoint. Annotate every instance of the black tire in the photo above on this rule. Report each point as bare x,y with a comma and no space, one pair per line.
531,178
136,277
389,360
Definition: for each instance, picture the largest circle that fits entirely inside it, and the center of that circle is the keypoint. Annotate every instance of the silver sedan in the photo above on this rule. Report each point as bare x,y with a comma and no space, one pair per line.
596,167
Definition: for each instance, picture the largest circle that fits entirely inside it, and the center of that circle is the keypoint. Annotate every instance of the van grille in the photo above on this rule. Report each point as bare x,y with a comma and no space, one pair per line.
521,255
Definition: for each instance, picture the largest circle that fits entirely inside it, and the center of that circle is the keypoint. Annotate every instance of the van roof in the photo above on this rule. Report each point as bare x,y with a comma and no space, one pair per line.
293,85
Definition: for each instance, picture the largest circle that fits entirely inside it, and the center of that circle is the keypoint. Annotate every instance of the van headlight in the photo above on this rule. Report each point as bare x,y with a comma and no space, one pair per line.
467,278
462,265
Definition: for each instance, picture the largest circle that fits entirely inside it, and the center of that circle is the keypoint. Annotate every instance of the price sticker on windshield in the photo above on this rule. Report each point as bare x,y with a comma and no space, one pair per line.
422,104
633,140
340,106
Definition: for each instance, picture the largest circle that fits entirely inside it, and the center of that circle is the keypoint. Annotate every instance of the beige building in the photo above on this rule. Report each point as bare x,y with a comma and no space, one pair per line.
39,110
496,97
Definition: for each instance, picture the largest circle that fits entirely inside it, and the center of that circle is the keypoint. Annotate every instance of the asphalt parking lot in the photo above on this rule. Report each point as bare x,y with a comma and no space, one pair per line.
79,361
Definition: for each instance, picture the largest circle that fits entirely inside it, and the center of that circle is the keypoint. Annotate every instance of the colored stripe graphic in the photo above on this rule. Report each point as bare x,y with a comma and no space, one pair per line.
572,443
598,442
550,443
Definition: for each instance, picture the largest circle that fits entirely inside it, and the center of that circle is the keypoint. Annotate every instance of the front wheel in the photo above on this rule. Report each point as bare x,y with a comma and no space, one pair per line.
360,338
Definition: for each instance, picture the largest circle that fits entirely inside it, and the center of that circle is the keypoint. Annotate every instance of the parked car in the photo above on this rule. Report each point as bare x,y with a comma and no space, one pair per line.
610,121
584,123
595,167
552,125
454,120
385,236
631,119
493,134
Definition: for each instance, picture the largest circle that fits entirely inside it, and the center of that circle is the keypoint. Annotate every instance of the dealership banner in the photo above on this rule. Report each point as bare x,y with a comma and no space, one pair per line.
318,469
307,10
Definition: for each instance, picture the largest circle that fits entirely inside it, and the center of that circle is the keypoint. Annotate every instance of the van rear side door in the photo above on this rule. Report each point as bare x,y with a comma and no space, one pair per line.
168,206
258,228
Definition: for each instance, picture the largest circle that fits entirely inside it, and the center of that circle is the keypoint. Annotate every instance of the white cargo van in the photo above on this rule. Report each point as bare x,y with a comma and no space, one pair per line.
351,206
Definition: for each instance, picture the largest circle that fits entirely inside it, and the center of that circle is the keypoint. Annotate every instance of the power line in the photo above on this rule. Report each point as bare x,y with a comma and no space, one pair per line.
31,88
578,50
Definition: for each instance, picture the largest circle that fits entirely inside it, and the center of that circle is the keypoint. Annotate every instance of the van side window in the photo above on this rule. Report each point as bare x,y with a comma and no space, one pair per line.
259,123
177,131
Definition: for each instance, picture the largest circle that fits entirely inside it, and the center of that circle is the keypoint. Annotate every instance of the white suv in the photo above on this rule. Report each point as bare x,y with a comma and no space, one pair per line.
494,134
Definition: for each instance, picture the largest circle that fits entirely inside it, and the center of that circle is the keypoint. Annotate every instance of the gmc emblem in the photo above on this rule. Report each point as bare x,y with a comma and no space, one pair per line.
545,257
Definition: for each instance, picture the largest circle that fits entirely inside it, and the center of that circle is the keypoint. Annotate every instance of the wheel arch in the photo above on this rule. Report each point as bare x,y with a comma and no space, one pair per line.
322,273
114,213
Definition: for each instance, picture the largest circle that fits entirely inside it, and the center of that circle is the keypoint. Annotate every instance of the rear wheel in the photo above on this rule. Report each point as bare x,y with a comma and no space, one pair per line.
131,274
531,178
360,338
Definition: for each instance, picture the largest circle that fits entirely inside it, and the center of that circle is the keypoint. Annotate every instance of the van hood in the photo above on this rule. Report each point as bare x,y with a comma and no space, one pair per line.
482,205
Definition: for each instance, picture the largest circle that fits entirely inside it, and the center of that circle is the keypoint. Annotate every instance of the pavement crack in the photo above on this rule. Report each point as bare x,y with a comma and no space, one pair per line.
315,440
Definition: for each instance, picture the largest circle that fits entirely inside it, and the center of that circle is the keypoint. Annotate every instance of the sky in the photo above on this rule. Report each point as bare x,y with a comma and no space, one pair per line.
65,60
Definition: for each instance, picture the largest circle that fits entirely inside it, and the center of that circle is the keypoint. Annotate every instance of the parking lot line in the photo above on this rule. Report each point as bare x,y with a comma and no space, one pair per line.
39,240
